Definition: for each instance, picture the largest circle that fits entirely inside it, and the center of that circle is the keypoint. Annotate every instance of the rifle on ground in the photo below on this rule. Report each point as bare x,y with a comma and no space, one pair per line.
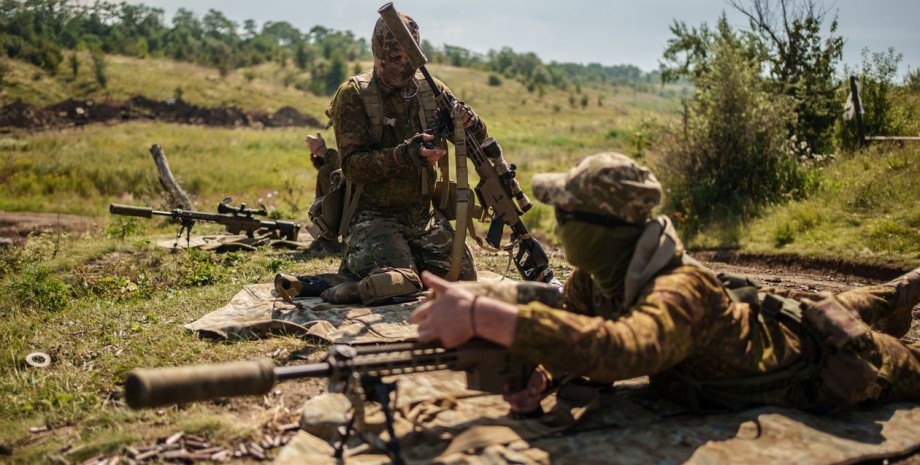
237,220
356,371
498,191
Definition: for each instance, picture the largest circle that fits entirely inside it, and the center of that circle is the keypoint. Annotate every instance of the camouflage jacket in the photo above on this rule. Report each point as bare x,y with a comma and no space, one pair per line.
683,318
324,173
389,188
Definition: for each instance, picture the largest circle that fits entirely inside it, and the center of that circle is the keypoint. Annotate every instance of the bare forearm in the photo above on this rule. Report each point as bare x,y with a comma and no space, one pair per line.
494,320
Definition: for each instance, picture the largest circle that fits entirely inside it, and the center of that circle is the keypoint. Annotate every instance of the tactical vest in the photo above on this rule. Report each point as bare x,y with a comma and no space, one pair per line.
428,109
373,103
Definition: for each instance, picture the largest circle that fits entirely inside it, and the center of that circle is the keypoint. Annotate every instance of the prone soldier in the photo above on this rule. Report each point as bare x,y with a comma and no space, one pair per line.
637,304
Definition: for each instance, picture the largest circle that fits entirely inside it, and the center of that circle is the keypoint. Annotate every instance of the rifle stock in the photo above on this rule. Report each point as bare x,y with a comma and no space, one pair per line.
498,190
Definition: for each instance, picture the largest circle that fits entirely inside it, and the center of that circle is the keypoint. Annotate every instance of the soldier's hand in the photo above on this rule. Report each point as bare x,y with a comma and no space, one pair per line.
413,151
528,399
445,317
317,145
470,118
431,156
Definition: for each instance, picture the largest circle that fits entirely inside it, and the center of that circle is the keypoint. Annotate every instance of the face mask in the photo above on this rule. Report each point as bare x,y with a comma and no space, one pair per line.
601,251
394,74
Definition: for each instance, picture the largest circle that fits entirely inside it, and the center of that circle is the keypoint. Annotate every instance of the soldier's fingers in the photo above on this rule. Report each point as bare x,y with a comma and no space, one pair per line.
420,313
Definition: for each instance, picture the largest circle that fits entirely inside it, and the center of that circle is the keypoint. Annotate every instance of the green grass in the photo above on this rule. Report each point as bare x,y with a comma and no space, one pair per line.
867,210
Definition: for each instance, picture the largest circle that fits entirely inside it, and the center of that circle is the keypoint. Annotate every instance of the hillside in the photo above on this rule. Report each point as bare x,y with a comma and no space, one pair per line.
80,171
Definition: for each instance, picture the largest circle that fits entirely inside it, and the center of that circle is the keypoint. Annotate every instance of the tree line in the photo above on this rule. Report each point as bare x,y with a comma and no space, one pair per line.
41,31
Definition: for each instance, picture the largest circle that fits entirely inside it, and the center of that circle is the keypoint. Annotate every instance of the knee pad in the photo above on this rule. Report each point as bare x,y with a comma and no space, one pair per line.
387,283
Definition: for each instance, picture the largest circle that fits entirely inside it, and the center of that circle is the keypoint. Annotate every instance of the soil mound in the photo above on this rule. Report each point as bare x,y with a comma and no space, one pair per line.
72,112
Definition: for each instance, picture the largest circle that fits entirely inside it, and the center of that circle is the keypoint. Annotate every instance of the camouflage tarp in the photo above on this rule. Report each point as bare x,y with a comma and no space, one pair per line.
439,422
256,311
231,243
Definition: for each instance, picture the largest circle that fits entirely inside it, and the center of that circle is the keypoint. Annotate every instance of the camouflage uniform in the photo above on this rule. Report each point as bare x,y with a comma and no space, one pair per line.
331,162
394,225
699,344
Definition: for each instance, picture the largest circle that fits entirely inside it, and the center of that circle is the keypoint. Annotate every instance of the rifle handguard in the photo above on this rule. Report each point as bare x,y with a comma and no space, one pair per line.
148,388
128,210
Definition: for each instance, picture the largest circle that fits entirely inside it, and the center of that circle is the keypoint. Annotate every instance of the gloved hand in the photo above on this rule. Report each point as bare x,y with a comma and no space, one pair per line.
413,152
470,118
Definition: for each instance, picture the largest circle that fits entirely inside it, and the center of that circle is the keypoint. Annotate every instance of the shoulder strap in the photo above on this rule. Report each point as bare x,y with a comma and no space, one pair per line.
373,102
428,107
349,205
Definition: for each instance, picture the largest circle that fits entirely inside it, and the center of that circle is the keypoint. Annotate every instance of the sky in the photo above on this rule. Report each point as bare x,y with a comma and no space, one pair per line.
609,32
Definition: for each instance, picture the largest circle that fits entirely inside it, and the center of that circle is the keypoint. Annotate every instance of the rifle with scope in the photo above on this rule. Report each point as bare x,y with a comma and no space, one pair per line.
349,369
237,220
497,190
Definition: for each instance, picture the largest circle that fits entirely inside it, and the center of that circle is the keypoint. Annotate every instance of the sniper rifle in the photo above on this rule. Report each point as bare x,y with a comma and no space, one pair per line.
356,371
237,220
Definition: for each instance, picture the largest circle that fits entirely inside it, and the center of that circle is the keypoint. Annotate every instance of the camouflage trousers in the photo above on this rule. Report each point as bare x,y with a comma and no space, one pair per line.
885,310
881,366
376,241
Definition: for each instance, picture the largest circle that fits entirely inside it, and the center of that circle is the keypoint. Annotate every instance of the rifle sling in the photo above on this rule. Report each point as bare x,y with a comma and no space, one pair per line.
349,205
463,199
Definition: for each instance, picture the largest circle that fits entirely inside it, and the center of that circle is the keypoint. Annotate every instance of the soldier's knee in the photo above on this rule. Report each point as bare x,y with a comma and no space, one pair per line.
388,283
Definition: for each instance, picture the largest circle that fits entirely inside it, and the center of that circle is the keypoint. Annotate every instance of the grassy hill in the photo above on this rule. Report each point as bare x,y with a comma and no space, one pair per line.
84,169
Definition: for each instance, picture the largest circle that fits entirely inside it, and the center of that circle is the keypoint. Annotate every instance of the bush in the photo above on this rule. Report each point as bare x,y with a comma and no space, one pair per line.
733,155
494,80
886,107
38,288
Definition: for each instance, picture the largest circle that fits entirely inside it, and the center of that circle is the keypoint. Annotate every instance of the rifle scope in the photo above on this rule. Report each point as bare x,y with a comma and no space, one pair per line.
507,173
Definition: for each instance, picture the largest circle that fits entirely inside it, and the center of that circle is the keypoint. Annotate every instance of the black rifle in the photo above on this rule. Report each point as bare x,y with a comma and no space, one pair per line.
489,368
498,191
236,219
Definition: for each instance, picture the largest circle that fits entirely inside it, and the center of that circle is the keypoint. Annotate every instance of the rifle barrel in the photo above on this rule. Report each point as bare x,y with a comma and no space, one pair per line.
148,388
130,210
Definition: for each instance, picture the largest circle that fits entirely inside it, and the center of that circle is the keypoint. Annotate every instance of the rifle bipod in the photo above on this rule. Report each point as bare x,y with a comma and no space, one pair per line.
374,390
185,224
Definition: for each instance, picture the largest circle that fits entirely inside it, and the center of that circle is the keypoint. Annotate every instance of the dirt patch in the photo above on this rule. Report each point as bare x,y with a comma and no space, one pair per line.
828,269
15,227
73,112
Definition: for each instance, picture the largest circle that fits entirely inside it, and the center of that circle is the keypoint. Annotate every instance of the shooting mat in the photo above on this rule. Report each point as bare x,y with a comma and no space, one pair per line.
231,243
439,422
256,311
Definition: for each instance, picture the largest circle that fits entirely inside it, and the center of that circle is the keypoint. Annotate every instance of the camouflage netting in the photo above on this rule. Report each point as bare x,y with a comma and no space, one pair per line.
439,422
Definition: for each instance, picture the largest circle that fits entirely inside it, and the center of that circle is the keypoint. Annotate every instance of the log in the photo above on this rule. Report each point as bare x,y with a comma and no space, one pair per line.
169,181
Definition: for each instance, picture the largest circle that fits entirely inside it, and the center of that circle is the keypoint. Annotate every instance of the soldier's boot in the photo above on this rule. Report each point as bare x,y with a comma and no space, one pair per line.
387,283
289,286
345,293
908,289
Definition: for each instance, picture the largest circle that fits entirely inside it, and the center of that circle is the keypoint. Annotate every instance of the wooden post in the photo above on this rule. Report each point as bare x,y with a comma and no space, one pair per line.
858,110
168,181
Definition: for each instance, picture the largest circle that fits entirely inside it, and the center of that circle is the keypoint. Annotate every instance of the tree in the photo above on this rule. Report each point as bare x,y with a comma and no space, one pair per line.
732,156
801,62
336,74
